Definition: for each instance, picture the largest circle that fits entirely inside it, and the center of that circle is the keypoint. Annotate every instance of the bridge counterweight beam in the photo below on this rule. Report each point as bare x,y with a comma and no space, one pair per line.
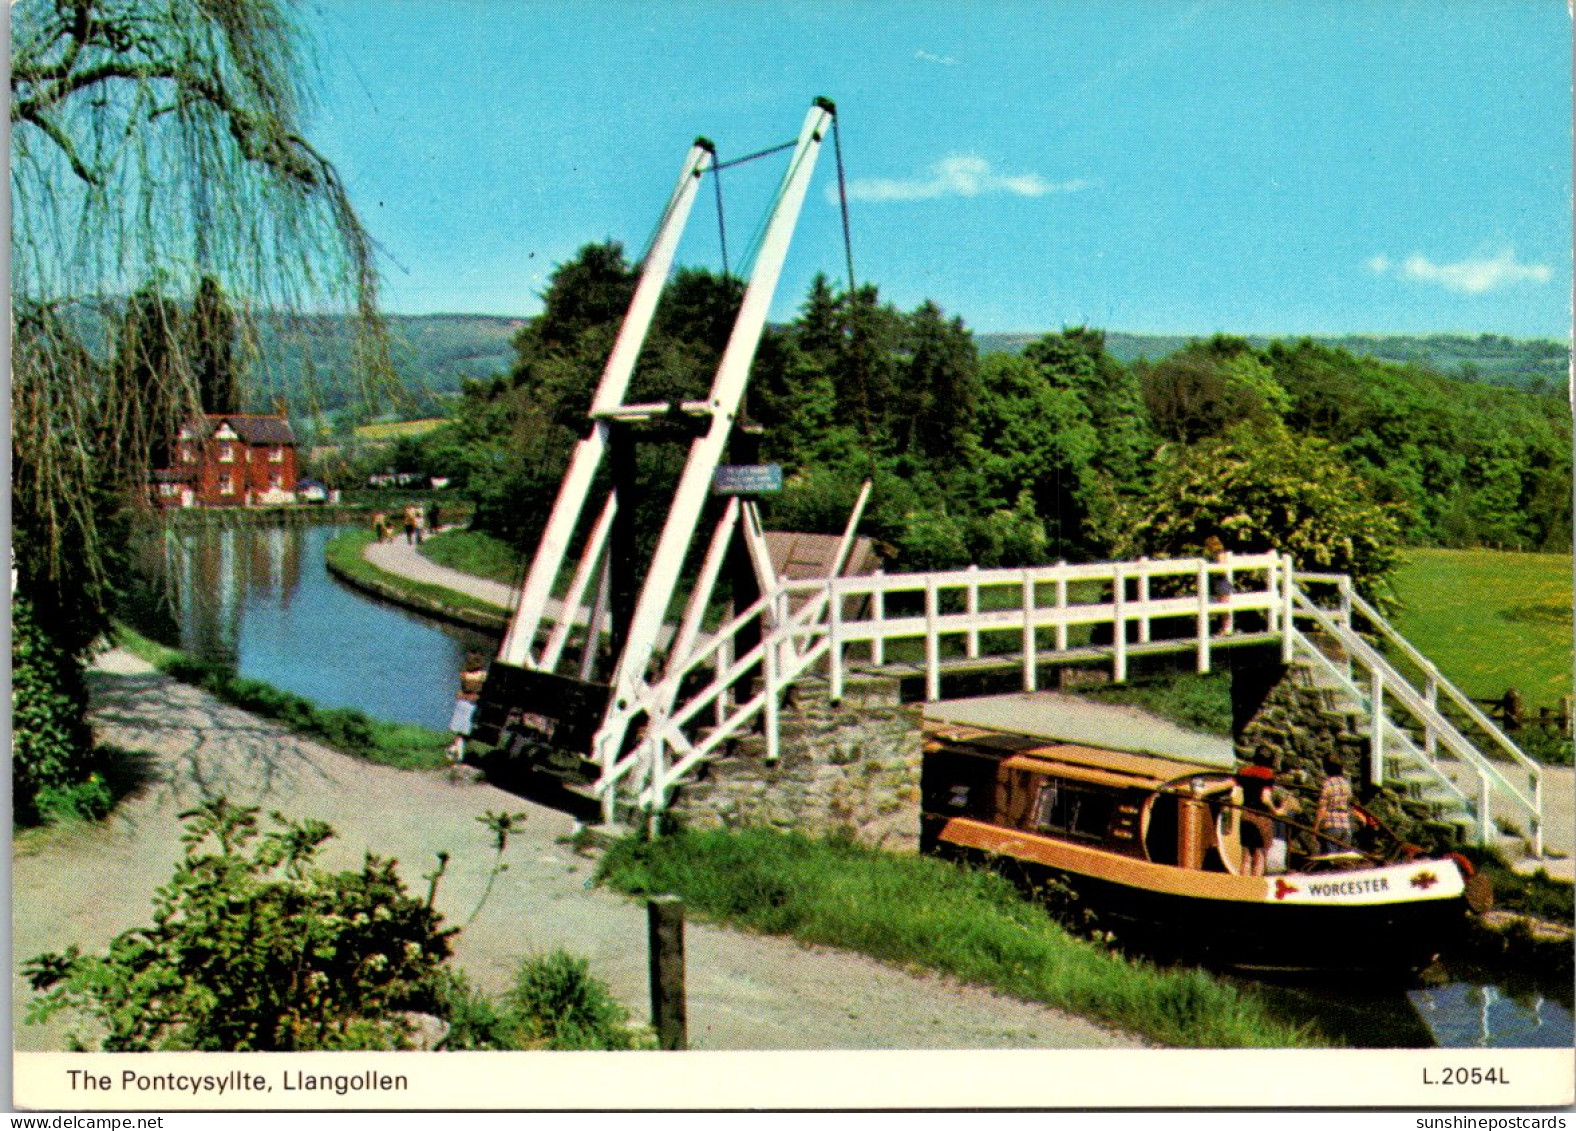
587,456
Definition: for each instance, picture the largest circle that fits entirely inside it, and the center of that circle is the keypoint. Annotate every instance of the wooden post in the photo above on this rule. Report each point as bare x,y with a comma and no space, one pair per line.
1203,618
1119,624
932,641
1143,601
973,637
665,920
834,632
1030,660
878,614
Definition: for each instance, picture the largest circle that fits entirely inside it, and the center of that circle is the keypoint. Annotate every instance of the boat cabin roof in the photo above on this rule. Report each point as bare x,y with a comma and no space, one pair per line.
1066,759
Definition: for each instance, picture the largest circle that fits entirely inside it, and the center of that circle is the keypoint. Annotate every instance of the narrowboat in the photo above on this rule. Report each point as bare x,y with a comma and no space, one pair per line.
1152,848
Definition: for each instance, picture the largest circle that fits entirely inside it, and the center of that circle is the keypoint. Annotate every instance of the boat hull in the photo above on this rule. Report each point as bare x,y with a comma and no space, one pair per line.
1374,920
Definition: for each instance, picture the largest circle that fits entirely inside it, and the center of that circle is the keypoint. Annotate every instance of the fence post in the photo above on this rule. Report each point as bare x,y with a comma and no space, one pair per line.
1203,617
1061,610
1143,601
932,643
1376,725
1287,628
773,664
665,934
877,615
1485,814
1030,661
834,634
974,613
1430,734
1537,815
1119,622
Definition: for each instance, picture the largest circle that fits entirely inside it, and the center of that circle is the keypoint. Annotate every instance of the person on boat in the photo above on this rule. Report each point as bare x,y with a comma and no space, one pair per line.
1220,587
1262,806
1333,819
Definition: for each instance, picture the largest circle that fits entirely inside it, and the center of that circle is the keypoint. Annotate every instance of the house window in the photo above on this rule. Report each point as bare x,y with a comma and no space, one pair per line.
226,453
275,481
276,455
186,454
226,486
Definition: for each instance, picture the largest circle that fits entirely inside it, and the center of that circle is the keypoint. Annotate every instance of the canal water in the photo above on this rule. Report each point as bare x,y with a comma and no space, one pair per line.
260,599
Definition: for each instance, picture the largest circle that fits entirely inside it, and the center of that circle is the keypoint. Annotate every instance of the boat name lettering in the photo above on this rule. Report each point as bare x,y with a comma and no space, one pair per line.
1350,887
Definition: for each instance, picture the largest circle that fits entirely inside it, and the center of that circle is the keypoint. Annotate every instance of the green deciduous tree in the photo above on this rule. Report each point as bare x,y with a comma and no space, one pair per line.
1264,488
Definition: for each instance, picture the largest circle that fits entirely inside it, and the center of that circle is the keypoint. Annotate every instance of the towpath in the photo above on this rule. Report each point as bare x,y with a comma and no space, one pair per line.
83,885
398,556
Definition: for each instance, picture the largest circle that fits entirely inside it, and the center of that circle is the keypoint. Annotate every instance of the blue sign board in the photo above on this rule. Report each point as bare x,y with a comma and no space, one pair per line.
747,478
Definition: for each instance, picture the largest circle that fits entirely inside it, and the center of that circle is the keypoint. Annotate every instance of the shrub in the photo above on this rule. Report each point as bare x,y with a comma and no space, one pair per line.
555,1003
252,948
52,748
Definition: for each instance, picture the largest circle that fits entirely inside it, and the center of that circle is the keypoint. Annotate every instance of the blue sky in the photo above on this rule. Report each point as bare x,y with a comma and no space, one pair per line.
1161,167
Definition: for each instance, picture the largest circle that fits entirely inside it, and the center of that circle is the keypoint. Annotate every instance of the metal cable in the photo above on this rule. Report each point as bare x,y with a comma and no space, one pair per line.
722,227
753,156
842,200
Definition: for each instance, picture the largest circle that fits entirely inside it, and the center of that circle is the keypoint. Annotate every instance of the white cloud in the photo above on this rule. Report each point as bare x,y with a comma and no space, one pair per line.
1472,276
958,175
926,57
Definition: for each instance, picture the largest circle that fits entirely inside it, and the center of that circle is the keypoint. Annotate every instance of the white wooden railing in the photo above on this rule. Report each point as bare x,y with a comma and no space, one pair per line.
961,619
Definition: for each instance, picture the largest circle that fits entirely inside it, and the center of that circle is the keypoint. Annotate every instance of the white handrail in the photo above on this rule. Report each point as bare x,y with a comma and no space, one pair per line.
1457,697
1418,706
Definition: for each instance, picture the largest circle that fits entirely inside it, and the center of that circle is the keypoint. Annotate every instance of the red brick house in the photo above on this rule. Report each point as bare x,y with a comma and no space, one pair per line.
230,460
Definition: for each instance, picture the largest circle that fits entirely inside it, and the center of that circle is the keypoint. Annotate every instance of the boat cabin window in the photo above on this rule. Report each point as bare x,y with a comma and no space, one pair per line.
1071,810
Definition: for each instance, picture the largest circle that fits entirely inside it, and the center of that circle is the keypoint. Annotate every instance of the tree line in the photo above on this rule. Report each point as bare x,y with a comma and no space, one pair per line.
1060,452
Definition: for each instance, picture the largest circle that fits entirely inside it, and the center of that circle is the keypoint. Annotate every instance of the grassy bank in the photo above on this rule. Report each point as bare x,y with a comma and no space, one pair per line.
922,912
345,561
1491,619
402,745
1197,702
471,551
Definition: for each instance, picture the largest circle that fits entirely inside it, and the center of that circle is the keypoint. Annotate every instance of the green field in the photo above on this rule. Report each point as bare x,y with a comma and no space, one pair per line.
399,429
1491,620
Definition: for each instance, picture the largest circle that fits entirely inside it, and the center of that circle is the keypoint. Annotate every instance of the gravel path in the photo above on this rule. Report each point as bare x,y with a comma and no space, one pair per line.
86,884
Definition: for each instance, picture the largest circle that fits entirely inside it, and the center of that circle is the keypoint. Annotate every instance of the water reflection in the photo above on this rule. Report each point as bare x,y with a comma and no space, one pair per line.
260,599
1474,1014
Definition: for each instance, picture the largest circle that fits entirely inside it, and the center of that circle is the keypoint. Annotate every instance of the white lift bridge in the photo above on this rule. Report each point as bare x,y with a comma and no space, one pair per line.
635,702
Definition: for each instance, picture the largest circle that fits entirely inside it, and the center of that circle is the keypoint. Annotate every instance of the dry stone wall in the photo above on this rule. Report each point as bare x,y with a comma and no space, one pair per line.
849,769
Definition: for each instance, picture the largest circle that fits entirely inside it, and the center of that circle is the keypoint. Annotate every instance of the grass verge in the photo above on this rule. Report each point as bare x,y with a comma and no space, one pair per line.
345,560
476,553
1197,702
402,745
970,924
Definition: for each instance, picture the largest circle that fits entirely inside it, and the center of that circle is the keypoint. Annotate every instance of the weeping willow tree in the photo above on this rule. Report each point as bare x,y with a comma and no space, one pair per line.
164,202
158,173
